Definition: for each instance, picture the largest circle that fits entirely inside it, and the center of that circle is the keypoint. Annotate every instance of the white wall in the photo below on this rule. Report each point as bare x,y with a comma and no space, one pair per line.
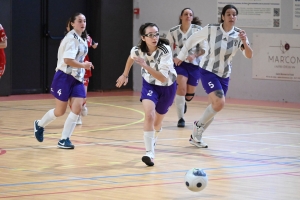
165,13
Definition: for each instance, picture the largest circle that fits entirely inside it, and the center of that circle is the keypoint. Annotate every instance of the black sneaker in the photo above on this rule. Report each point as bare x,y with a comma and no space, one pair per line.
38,131
181,123
185,108
65,144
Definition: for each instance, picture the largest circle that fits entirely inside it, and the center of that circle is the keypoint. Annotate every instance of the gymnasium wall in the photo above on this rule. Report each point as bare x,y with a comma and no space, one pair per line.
165,13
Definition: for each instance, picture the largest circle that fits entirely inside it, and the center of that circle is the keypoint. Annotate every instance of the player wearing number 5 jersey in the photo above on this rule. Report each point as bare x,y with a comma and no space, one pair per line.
67,84
154,56
224,40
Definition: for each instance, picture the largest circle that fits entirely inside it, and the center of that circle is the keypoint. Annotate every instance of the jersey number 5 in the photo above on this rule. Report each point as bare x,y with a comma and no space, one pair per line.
211,85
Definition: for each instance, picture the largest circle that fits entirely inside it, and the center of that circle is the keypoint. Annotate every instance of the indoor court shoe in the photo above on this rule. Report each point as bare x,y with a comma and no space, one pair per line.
65,144
181,123
79,121
200,144
185,108
148,159
197,132
38,131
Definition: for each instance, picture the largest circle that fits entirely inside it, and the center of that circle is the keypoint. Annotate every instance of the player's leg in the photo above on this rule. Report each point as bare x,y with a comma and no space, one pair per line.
149,132
84,110
77,96
58,85
182,78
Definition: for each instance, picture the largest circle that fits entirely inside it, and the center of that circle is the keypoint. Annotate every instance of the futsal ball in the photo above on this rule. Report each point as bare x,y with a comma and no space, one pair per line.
195,179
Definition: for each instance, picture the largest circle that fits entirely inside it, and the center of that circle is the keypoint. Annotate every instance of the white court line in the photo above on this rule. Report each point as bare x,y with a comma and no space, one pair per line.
166,139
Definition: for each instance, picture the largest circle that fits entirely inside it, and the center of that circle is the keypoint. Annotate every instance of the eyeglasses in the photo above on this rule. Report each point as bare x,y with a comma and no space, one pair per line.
152,35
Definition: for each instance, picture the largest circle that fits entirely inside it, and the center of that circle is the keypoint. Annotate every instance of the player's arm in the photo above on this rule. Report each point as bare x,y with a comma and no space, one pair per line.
3,44
156,74
123,79
75,63
245,47
191,42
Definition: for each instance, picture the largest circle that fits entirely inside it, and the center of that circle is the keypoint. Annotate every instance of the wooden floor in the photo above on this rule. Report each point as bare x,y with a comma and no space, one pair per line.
253,153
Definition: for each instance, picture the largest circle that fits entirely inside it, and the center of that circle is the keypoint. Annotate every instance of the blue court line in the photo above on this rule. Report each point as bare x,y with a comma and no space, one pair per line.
128,175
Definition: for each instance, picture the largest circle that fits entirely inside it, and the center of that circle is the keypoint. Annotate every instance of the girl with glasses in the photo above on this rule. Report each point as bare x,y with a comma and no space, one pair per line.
154,55
188,71
224,40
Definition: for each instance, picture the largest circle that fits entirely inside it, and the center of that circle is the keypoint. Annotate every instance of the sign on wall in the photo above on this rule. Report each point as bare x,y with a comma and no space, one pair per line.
255,13
296,14
276,56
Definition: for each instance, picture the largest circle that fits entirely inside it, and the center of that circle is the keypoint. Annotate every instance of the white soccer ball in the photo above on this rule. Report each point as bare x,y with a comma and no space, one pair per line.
196,179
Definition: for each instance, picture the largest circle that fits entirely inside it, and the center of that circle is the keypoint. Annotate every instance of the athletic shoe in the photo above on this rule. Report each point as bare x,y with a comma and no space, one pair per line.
181,123
200,144
197,132
38,131
79,121
84,110
185,108
65,144
148,158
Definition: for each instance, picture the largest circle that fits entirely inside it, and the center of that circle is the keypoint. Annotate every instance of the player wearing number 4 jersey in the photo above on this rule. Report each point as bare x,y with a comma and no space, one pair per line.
154,56
224,40
67,83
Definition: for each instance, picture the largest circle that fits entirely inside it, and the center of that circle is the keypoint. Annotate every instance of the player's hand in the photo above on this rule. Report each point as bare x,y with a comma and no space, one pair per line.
140,61
88,65
95,45
190,58
243,35
177,62
122,80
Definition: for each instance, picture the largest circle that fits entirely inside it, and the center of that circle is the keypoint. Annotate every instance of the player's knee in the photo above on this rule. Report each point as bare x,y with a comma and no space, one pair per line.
189,96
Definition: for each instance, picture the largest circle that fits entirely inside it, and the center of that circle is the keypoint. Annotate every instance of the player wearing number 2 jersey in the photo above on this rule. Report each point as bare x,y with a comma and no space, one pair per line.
224,40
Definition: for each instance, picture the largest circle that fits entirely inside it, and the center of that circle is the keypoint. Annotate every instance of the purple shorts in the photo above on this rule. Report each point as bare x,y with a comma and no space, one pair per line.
191,71
211,82
65,86
162,96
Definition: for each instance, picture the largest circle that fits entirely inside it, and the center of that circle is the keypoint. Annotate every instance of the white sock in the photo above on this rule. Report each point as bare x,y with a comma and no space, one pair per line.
208,123
149,141
180,101
69,125
47,118
208,114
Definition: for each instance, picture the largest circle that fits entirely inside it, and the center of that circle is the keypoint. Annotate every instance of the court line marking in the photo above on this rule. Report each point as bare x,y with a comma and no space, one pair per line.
99,129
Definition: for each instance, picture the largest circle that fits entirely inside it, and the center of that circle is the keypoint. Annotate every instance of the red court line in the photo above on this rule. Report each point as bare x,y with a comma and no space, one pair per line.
143,185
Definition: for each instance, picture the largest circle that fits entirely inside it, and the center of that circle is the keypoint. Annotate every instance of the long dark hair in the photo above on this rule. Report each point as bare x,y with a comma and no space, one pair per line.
72,19
195,20
142,44
229,6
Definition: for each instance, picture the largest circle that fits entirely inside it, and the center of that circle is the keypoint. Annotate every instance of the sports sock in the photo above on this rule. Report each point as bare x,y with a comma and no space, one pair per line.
208,114
149,141
47,118
180,101
69,125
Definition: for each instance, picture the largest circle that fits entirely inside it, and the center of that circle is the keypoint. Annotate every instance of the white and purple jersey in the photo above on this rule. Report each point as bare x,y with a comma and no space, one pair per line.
73,47
177,39
222,46
161,60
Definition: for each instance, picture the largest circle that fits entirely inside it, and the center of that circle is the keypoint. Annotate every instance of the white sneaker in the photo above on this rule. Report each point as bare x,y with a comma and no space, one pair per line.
79,121
197,132
148,158
200,144
84,110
